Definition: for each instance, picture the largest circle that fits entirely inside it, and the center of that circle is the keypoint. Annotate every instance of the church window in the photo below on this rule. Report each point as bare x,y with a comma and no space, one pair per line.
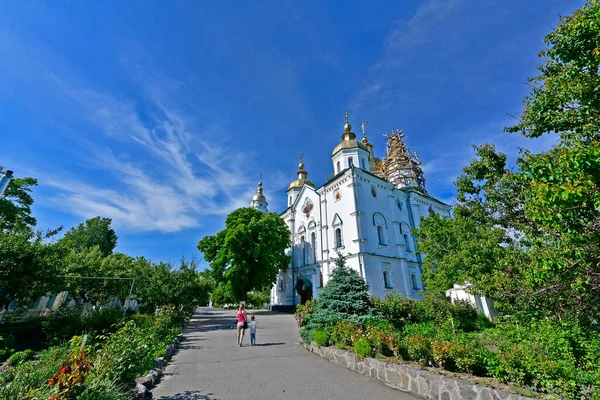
363,163
281,283
338,237
415,281
303,249
373,190
380,234
337,195
313,245
430,210
290,200
399,204
386,280
339,167
407,243
350,162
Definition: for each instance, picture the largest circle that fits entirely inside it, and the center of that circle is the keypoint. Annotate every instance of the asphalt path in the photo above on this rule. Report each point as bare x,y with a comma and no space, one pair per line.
210,366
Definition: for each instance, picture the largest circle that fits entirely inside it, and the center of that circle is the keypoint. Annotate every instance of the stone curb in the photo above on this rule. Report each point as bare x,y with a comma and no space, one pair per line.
144,383
415,381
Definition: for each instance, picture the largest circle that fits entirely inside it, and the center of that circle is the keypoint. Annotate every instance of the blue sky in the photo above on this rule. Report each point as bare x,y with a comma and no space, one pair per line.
161,115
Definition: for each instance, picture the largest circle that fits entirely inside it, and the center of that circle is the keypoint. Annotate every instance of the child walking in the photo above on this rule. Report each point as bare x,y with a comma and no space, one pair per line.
252,325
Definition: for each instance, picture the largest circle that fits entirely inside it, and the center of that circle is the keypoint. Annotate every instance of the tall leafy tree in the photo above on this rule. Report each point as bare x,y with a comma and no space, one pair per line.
563,196
249,252
538,227
28,266
95,231
15,206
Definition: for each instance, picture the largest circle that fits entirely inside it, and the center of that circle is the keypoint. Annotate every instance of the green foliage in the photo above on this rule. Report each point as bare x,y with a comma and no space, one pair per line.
223,294
529,236
258,299
459,356
344,297
321,337
362,348
343,334
28,266
91,233
20,356
249,252
61,324
15,206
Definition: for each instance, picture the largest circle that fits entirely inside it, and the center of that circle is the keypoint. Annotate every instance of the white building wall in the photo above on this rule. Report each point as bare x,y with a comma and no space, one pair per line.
348,203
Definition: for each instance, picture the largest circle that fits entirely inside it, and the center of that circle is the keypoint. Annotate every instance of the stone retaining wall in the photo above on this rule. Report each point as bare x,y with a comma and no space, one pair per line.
416,381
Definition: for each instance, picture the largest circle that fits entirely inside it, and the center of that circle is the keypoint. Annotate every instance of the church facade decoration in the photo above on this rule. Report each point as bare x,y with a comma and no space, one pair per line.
367,210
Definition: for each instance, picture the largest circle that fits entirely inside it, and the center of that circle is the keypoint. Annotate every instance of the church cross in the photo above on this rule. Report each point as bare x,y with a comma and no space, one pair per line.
346,116
363,125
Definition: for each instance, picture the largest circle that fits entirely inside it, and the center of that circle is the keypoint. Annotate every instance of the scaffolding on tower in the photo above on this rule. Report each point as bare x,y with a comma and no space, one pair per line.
401,166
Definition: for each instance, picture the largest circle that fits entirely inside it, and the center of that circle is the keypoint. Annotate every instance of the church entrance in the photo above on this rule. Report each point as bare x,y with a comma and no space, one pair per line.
304,289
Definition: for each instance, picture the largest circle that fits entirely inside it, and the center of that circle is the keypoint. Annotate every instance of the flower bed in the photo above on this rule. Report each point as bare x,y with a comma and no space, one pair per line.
101,367
544,358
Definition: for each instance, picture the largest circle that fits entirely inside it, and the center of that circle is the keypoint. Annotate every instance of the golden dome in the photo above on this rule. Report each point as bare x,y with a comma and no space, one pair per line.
349,144
365,140
347,127
298,183
301,165
259,197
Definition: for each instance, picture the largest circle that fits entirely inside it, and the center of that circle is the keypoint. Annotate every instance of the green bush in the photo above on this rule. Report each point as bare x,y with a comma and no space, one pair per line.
362,348
459,357
343,334
418,348
383,339
321,337
258,299
20,356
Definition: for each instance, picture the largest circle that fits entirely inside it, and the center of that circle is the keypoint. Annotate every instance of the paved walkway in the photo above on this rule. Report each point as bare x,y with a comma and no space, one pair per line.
210,366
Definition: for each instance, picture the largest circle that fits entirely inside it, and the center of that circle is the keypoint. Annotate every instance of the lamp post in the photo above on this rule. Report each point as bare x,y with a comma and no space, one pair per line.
4,181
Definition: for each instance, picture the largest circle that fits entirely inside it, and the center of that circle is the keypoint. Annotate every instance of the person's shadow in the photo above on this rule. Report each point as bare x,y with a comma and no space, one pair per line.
268,344
189,395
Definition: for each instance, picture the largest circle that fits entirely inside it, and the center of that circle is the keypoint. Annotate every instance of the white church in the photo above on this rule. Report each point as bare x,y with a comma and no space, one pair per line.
366,211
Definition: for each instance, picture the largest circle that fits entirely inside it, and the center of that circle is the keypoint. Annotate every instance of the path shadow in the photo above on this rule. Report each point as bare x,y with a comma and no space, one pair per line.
268,344
189,395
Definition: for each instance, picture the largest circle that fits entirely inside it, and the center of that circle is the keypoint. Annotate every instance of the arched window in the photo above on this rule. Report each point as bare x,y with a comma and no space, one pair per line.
290,200
363,163
407,243
313,245
338,237
350,162
339,167
415,282
380,234
303,250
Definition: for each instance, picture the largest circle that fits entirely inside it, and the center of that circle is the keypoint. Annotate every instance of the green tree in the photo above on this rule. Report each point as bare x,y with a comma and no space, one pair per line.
28,266
15,206
563,196
93,232
344,297
249,252
538,226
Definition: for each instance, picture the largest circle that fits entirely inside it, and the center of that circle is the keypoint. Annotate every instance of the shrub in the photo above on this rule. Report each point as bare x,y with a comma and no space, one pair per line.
20,356
418,348
362,348
459,357
321,337
304,312
399,310
383,339
343,333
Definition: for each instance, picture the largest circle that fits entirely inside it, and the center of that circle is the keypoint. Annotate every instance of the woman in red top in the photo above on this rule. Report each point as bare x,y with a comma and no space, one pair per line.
241,319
